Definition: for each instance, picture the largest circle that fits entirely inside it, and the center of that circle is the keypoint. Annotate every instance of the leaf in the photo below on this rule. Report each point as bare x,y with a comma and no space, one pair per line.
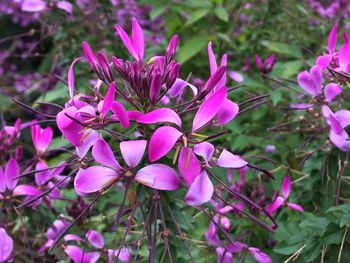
157,11
60,92
276,97
282,48
196,15
221,13
191,48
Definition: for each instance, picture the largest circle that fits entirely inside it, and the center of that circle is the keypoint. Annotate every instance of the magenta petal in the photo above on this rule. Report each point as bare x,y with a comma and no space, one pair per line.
215,78
6,245
275,205
44,176
324,61
11,172
236,76
344,54
208,109
33,5
127,42
90,56
94,179
90,140
212,59
205,150
332,120
260,256
332,90
227,112
66,6
343,117
24,189
70,129
95,239
108,100
301,106
2,181
332,39
160,115
124,255
158,176
72,237
156,84
137,39
200,191
71,77
285,187
103,154
341,140
295,207
229,160
189,165
78,255
120,112
133,151
178,87
311,82
162,141
212,236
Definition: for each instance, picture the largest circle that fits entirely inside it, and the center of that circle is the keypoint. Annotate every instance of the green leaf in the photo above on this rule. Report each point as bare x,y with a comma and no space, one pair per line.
282,48
60,92
191,47
221,13
196,15
276,97
157,11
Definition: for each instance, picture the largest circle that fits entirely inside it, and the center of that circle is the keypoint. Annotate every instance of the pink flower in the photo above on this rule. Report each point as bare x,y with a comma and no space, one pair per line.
41,138
280,200
94,178
6,246
267,65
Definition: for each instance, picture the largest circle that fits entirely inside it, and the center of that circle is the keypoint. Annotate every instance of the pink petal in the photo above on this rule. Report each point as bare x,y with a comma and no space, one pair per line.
103,154
229,160
332,39
6,245
208,109
70,129
133,151
33,5
44,176
160,115
90,56
178,87
343,117
133,115
344,54
71,77
236,76
78,255
188,164
120,112
340,140
11,172
259,255
295,207
158,176
72,237
108,100
301,106
214,79
205,150
66,6
124,255
94,179
200,191
285,187
162,141
324,61
3,181
258,62
227,112
127,42
311,82
90,140
331,120
212,236
212,59
156,84
137,39
332,90
24,189
275,205
95,239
